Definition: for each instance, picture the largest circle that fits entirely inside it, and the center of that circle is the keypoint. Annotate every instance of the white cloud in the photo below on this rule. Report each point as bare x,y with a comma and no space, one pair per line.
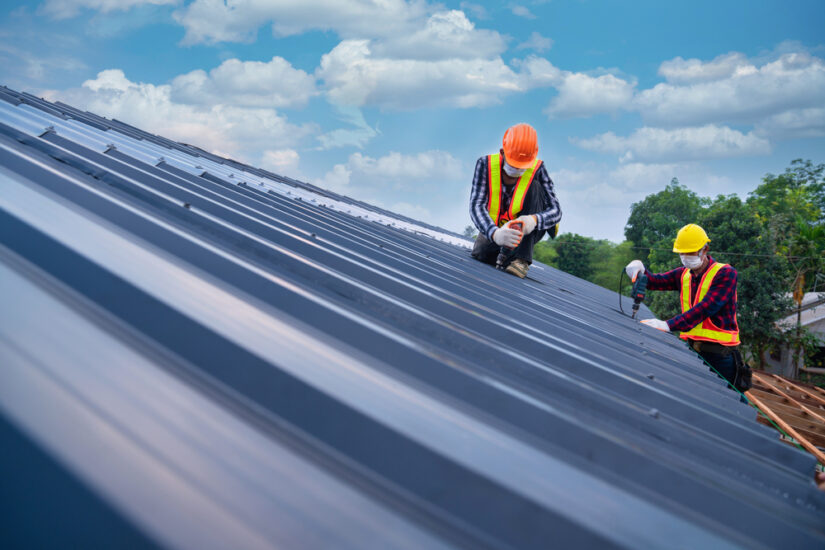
638,177
406,184
282,161
582,95
337,180
353,76
692,71
445,35
64,9
695,143
211,21
401,170
522,11
596,198
357,135
476,10
537,72
237,131
797,123
35,67
536,42
398,29
246,83
394,171
731,89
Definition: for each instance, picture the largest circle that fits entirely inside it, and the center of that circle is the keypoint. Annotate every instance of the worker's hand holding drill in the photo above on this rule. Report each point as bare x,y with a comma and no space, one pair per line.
634,268
528,222
508,236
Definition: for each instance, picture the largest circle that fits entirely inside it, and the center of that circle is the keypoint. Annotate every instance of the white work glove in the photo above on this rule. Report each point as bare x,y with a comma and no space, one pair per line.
656,323
505,236
634,268
529,223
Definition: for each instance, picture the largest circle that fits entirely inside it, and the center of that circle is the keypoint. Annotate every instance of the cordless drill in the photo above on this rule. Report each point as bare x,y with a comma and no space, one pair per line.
503,258
639,289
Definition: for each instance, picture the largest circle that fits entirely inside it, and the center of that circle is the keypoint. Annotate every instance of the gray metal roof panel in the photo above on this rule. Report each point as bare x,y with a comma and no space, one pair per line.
412,342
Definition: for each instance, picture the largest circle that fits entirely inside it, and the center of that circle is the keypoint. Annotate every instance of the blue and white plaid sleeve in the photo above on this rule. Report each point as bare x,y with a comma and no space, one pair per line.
478,201
552,214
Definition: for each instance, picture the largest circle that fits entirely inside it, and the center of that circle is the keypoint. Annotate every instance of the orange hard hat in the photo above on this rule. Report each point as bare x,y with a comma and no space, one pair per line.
520,145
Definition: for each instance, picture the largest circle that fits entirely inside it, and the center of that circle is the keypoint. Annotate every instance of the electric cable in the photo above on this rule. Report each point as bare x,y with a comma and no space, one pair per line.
715,252
621,278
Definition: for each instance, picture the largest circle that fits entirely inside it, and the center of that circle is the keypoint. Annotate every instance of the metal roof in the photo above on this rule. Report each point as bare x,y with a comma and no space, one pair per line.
200,354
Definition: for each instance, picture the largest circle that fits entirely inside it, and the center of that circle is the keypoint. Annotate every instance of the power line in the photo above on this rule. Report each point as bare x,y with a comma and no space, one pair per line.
716,252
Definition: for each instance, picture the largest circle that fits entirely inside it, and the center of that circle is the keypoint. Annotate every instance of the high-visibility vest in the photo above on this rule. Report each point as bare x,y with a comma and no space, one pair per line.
495,196
706,330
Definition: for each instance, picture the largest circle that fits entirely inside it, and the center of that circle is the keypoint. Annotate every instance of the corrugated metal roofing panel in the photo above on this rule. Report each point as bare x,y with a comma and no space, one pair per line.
393,364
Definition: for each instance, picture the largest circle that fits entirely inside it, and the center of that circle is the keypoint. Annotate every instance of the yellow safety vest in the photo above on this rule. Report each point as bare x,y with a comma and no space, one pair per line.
706,330
517,202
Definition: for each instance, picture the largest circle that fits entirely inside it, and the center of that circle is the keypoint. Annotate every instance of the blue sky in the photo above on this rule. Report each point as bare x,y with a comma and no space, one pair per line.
392,102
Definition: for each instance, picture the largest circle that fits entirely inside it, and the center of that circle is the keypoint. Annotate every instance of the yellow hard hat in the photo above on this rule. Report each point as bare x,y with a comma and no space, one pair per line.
691,238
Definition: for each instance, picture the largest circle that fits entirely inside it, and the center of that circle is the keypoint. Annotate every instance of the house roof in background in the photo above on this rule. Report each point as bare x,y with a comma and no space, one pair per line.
288,367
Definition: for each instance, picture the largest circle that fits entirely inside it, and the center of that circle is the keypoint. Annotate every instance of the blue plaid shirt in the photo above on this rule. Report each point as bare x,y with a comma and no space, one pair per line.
480,195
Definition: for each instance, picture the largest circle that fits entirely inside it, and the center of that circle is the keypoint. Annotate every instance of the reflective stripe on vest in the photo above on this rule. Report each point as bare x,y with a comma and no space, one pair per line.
706,330
517,202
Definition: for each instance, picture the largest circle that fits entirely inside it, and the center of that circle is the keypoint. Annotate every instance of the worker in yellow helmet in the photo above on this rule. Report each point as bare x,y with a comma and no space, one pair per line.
708,299
512,202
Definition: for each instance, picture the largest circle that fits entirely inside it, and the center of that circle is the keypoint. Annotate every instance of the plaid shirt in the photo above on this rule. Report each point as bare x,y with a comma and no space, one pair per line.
719,303
480,194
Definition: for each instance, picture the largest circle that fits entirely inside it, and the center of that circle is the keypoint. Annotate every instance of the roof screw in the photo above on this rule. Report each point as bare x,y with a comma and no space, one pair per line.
187,205
654,413
651,376
313,235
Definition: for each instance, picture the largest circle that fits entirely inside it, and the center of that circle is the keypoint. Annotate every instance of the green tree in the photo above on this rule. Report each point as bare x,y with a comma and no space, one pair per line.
652,225
545,252
654,221
575,254
608,262
788,202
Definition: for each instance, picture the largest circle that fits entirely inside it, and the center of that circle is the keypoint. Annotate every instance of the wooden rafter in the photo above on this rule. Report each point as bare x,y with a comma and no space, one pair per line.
796,409
810,447
800,388
818,416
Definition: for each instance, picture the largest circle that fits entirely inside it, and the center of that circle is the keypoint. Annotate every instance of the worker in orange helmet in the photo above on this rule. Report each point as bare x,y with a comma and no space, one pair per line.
512,189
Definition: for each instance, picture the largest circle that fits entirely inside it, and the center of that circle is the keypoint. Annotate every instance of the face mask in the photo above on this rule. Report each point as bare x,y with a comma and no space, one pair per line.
691,262
513,172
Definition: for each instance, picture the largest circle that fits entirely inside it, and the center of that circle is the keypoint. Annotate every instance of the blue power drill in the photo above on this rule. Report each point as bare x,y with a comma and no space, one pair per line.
639,289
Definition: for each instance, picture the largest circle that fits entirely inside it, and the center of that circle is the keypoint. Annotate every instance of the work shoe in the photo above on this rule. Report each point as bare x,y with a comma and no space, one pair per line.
518,267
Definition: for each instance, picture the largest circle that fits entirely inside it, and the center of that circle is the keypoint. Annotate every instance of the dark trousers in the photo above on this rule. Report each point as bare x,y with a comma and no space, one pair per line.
730,365
487,251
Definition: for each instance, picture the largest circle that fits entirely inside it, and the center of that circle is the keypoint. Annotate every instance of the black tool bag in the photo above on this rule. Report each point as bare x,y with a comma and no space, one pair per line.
743,372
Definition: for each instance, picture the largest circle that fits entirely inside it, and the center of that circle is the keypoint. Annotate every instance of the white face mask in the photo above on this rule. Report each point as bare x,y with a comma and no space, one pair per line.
513,172
690,261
